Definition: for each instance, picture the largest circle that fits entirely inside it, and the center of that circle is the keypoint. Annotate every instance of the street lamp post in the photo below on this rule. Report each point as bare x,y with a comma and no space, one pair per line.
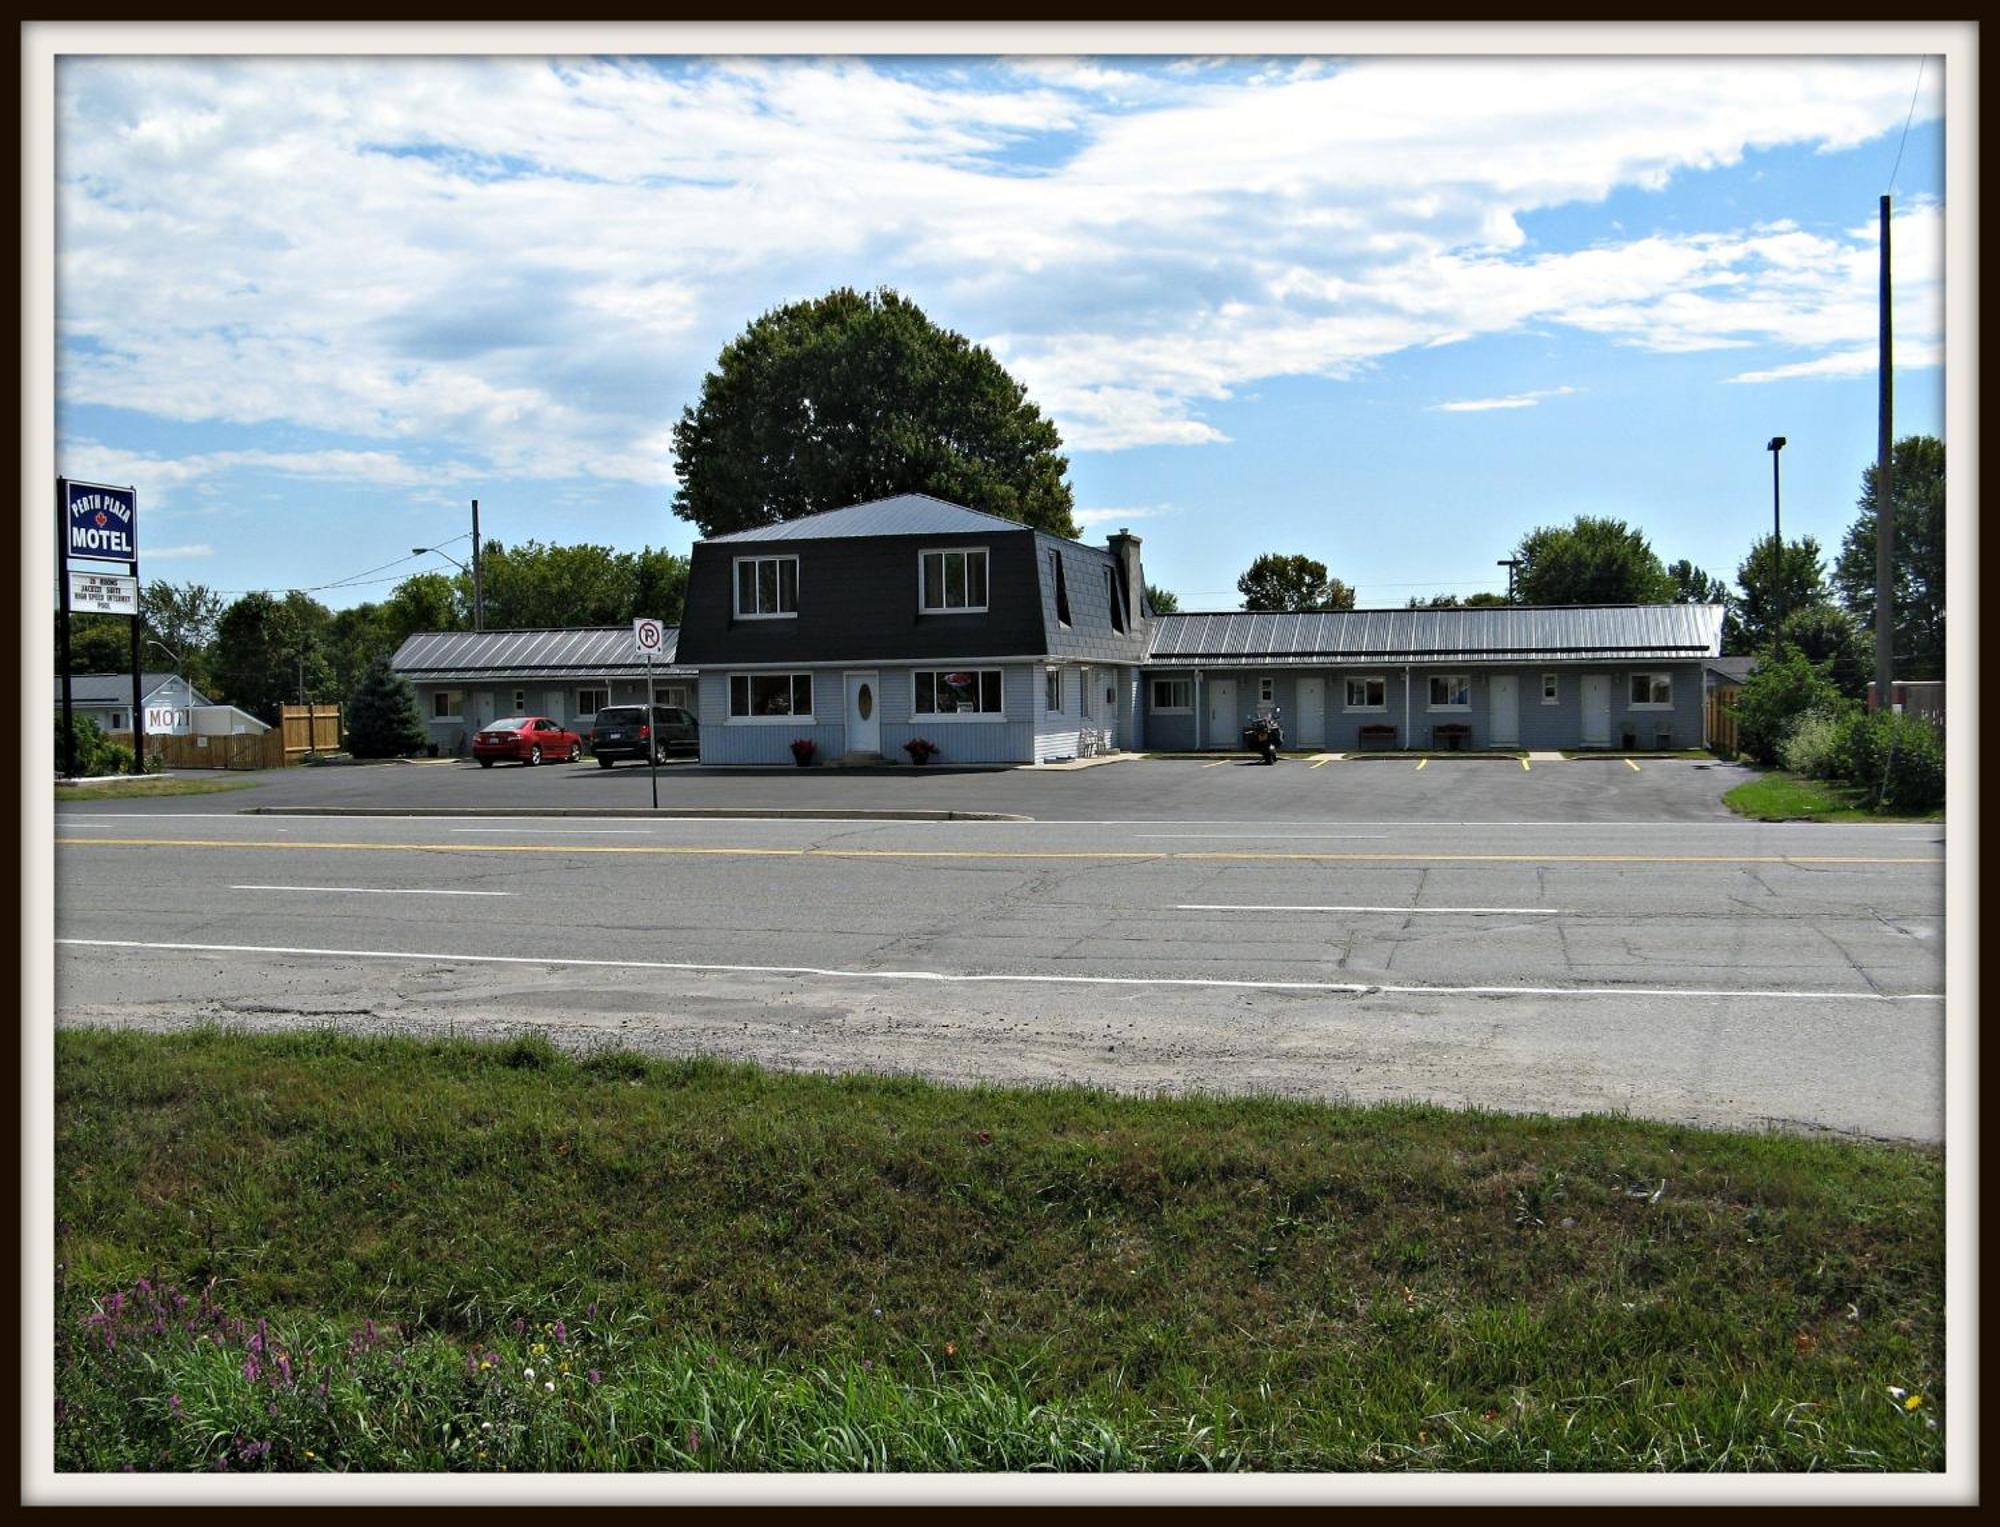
478,622
1777,444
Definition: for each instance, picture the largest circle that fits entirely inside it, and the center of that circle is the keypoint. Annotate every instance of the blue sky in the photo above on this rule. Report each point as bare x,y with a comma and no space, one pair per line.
1392,313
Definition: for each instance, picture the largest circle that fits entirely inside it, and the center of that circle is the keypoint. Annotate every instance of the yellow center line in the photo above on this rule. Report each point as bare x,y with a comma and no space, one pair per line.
1632,766
679,850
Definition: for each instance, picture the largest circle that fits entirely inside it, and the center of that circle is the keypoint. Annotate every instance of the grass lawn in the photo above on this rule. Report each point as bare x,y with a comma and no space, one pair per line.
142,785
1776,796
708,1266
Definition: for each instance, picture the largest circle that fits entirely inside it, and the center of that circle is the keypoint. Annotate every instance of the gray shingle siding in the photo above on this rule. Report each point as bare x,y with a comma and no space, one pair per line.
1089,636
1006,739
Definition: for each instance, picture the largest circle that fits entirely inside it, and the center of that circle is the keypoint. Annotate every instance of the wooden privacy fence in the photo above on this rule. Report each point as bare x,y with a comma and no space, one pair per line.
1721,724
301,729
310,729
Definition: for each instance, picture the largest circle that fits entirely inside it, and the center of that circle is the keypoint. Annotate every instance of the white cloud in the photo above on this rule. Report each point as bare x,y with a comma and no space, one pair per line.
1512,400
162,476
528,264
1086,518
177,553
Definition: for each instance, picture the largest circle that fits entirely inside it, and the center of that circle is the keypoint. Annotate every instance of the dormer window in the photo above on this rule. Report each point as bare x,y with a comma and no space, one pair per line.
951,582
1111,598
767,588
1062,587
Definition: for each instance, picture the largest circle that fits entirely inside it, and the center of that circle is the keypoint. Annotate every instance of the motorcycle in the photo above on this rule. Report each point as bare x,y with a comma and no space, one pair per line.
1264,736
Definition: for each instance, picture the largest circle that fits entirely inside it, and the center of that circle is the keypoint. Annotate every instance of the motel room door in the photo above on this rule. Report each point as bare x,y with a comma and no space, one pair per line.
864,713
1225,727
1312,712
1503,697
1596,710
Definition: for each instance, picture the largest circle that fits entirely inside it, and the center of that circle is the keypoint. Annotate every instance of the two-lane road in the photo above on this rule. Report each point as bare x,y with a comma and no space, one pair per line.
1723,972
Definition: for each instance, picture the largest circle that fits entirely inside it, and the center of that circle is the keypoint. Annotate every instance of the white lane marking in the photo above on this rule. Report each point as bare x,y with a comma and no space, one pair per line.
364,890
1355,837
562,832
1482,911
953,978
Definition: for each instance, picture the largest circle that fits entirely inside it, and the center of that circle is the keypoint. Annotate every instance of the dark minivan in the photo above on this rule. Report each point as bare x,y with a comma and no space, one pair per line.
621,731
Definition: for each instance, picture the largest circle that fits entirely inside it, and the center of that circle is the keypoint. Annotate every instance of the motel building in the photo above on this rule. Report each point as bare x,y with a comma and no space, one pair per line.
864,628
468,679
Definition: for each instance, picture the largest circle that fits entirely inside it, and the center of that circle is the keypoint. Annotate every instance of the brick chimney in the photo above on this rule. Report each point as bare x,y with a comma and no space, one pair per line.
1125,547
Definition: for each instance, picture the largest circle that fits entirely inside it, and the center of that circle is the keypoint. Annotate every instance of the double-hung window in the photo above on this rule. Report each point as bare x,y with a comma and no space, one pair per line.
1652,691
1052,691
950,581
445,704
590,701
1173,694
1451,691
956,692
1367,692
1550,690
767,588
766,696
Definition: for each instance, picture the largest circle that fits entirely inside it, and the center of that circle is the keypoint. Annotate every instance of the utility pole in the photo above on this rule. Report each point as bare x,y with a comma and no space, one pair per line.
478,593
1885,494
1510,563
1777,554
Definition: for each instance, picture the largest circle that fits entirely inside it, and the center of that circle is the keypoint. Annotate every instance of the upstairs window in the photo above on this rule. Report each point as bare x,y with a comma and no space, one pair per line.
952,580
767,588
1062,587
1111,598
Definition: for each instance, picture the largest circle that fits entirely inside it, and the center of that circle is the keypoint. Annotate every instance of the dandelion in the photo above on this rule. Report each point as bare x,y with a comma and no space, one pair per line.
311,1456
527,1373
550,1386
486,1426
538,1348
1913,1402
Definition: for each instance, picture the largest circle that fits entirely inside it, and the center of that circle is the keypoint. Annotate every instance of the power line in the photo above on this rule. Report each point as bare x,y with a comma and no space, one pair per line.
1910,117
352,580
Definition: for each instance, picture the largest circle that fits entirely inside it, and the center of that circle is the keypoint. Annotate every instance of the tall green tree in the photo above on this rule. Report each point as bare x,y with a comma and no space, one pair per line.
354,638
1768,582
857,396
426,602
382,716
1279,582
1593,561
1162,601
1693,585
1828,637
97,643
1918,555
182,618
270,650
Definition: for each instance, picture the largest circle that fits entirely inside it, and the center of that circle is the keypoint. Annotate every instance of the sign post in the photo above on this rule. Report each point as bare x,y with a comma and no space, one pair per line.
99,523
650,636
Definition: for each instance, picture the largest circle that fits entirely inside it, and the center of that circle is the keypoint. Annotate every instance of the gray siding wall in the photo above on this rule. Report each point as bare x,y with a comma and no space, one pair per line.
1056,731
1542,727
455,736
1008,739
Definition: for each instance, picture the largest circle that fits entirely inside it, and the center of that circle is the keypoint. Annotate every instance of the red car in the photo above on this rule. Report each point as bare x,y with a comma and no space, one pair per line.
525,739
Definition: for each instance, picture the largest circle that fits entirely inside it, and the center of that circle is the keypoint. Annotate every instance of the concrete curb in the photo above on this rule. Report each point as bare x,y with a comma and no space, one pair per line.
773,813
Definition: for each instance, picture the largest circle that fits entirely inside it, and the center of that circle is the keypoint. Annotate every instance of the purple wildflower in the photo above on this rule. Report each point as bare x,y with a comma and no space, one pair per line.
251,1370
694,1440
520,1326
594,1376
285,1368
591,1313
562,1334
145,1286
174,1403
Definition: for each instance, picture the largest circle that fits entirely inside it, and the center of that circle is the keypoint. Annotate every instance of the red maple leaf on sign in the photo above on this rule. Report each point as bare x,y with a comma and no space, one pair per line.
103,519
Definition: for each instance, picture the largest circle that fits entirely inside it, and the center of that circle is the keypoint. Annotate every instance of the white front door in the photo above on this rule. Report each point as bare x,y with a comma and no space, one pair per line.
1225,727
1312,711
1596,710
556,707
1504,712
864,713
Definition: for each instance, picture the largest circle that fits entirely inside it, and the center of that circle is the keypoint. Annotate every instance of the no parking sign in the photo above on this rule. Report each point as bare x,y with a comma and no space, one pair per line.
649,636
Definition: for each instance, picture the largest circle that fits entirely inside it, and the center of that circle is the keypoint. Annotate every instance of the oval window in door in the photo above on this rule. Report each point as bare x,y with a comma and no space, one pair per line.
864,701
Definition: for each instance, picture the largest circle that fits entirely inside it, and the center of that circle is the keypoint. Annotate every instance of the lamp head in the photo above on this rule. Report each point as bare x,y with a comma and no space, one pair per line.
1777,443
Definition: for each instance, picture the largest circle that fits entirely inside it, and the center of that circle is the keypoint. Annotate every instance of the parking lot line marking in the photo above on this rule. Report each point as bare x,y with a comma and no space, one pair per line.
1524,766
1216,906
1319,763
1422,764
1632,766
365,890
1216,765
1359,988
690,850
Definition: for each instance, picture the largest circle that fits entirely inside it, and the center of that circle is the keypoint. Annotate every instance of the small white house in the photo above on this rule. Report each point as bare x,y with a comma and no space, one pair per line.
171,706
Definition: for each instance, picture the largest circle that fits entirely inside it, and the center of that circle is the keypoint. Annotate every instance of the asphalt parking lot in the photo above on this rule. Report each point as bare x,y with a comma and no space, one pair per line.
1224,789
